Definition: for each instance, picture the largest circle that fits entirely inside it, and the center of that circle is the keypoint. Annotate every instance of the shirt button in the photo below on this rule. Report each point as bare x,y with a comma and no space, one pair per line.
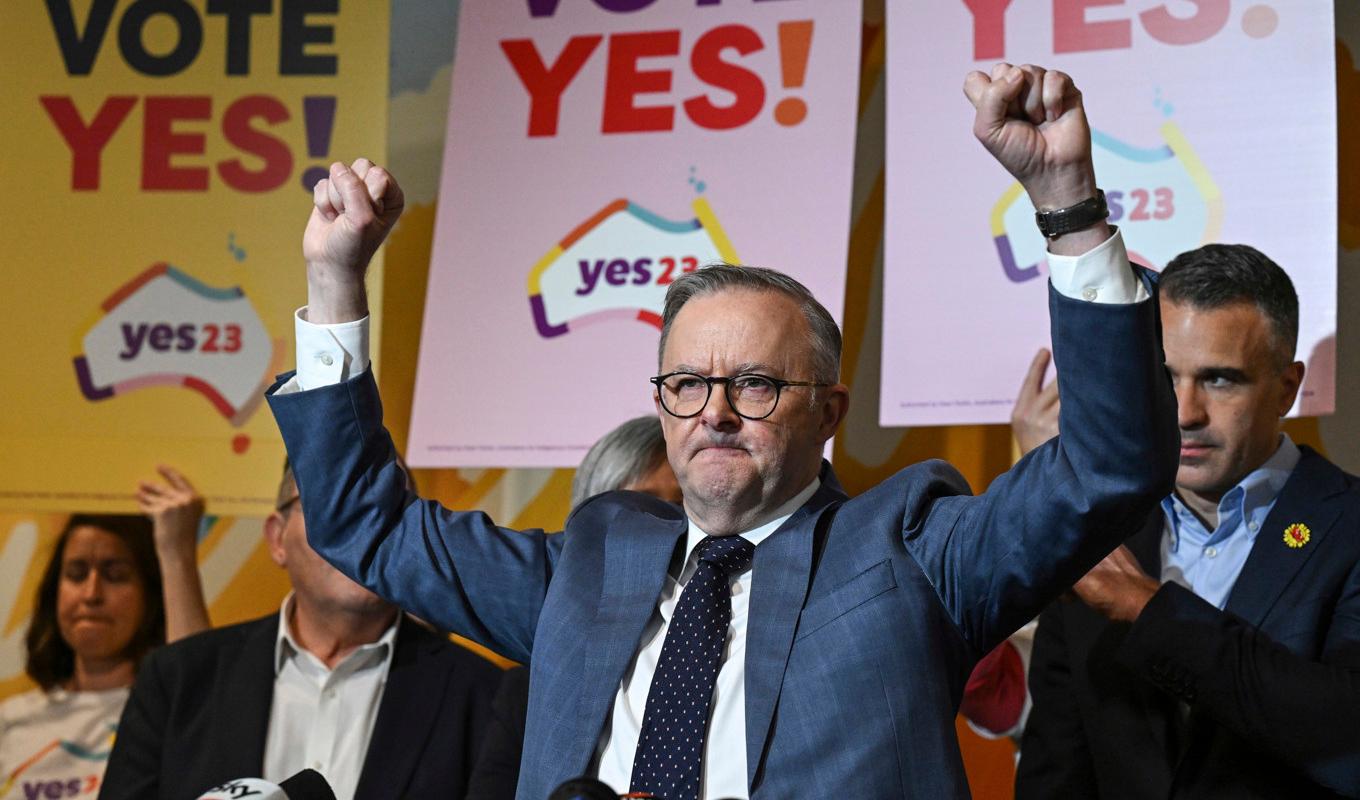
1210,551
330,693
316,765
326,359
1089,293
1252,526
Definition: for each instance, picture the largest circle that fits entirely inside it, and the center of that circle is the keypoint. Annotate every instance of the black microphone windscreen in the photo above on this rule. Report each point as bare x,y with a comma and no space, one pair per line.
583,789
307,785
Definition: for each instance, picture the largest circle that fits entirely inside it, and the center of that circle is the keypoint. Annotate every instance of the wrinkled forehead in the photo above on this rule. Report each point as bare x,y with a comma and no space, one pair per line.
739,330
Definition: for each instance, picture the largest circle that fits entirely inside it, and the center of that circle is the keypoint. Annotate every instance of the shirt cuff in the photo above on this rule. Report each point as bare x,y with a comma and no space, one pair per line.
327,354
1100,275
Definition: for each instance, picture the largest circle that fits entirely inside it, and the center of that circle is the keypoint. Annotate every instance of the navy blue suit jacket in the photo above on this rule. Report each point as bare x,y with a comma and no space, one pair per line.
199,713
1259,700
866,614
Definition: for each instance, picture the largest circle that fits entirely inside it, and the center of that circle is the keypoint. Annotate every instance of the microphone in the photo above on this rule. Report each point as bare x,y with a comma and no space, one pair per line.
583,789
306,785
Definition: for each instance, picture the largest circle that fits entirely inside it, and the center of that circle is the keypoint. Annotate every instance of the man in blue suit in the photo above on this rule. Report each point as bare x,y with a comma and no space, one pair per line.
771,638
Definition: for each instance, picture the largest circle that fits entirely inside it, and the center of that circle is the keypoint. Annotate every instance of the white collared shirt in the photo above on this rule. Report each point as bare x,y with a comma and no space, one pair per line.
724,761
321,718
329,354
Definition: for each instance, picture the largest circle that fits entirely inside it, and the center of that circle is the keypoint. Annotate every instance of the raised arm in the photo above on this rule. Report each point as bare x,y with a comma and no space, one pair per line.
176,509
998,559
456,569
1034,419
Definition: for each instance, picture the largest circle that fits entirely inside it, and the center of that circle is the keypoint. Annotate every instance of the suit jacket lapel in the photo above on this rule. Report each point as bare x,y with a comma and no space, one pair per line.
412,698
780,578
636,563
241,724
1272,564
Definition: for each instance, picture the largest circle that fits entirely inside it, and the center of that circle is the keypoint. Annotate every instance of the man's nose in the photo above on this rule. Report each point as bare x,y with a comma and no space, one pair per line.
719,413
1191,413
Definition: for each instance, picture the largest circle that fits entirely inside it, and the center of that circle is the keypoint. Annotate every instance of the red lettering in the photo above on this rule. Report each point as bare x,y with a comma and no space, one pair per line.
1073,34
989,28
87,141
545,85
624,82
1208,20
745,85
665,277
274,152
160,143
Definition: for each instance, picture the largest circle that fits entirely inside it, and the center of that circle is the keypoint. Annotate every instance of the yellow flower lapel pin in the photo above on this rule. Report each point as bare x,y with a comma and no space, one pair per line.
1297,535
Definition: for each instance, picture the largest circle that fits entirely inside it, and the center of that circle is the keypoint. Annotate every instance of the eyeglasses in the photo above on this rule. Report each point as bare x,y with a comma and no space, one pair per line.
752,396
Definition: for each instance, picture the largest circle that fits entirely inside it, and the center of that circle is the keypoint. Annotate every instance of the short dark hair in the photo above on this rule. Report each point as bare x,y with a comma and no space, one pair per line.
826,335
1218,275
51,661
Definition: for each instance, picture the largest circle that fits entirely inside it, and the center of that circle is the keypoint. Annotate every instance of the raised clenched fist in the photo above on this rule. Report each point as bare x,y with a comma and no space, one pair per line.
354,210
1032,121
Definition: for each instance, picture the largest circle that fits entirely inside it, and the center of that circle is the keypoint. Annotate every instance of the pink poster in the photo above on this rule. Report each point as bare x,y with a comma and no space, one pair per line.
1212,121
596,150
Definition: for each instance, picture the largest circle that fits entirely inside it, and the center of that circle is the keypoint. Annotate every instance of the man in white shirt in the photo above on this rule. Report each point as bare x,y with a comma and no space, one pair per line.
338,681
776,638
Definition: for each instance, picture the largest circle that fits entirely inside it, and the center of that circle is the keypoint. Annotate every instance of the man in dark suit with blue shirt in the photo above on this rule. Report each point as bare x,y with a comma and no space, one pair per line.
1217,654
772,638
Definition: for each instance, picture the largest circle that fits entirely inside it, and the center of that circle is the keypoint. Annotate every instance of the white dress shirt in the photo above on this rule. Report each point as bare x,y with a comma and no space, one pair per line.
330,354
724,764
321,718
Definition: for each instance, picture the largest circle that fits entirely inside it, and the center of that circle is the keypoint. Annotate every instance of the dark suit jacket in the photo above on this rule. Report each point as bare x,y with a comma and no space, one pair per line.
1261,699
866,614
199,714
497,772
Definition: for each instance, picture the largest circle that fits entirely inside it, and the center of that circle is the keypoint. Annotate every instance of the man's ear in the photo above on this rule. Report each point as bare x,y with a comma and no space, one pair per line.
1291,380
273,538
834,406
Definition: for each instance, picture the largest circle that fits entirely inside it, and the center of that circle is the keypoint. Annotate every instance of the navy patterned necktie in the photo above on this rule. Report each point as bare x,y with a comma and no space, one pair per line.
669,758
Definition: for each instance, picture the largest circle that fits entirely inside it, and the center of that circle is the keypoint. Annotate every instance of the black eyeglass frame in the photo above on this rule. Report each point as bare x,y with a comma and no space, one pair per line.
779,384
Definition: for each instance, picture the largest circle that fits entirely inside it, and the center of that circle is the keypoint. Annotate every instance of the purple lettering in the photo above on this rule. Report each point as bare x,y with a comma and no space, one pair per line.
617,272
160,337
133,338
589,276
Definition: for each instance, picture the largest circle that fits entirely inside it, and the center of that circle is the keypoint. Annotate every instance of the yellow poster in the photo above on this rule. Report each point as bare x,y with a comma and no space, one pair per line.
157,159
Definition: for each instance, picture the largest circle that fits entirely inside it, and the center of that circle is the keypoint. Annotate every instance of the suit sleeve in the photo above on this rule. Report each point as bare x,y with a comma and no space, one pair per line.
1303,711
134,767
998,559
457,570
1055,759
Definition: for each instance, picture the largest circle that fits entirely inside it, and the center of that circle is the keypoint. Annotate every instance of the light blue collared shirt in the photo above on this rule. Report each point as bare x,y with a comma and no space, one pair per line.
1208,562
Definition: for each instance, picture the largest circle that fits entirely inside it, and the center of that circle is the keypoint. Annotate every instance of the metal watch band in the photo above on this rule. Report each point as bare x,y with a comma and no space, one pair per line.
1088,212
